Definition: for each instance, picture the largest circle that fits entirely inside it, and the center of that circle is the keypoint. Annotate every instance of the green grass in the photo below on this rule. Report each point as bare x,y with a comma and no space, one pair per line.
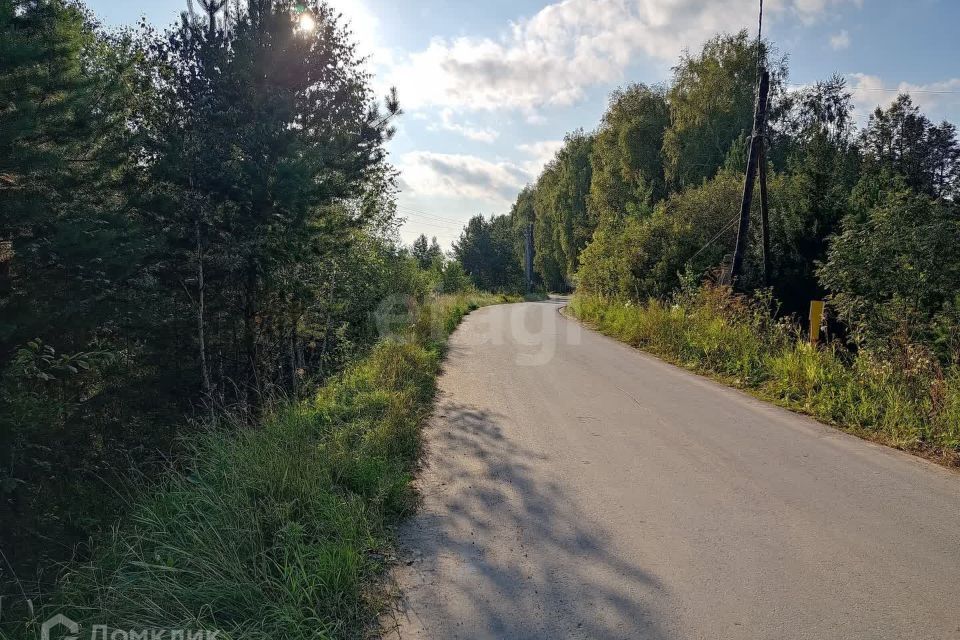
279,531
904,399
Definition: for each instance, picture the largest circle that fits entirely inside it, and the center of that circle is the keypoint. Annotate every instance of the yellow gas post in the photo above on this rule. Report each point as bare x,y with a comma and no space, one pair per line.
816,318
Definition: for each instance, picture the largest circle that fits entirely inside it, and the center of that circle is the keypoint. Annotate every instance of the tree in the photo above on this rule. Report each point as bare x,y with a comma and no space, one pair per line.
189,222
711,105
901,140
453,278
485,251
263,139
71,251
626,158
62,149
522,215
815,149
895,264
562,222
427,253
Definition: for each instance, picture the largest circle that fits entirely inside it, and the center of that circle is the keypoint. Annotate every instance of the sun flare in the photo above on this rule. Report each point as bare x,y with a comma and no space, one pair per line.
307,23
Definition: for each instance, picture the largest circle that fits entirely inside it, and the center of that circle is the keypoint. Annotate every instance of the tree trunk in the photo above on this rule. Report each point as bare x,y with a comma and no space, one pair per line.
201,328
293,358
250,329
326,330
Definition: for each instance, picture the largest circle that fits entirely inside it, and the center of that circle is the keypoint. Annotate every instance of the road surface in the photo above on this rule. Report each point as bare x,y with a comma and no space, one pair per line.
576,488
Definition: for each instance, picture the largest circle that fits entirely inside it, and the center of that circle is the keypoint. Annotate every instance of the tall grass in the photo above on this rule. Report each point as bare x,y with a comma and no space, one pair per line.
278,531
904,398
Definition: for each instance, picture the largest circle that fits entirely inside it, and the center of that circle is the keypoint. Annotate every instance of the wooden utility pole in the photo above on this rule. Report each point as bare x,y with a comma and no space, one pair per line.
756,142
764,214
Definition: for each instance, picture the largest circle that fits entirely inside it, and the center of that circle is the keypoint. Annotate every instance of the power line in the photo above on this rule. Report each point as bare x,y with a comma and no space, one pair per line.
431,222
713,239
415,209
421,212
420,223
884,89
435,225
418,212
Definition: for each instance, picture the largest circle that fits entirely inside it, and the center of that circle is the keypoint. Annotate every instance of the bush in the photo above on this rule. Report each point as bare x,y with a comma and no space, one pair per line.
895,270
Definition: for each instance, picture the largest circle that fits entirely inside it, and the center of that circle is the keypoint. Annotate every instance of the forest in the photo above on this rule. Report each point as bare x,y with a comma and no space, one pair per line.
640,217
197,232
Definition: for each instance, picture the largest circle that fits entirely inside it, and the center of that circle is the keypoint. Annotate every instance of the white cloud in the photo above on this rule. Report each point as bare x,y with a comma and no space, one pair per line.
426,173
450,175
552,57
540,154
809,11
840,40
468,131
364,26
938,100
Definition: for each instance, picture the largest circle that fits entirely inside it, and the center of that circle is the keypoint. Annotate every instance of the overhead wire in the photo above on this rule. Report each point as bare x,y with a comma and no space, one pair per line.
801,85
423,214
417,216
726,227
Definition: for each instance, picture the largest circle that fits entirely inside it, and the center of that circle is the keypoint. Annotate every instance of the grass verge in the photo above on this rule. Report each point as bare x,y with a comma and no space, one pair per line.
279,531
904,399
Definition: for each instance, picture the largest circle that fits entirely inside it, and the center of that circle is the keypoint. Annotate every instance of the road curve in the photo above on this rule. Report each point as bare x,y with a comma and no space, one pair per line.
574,487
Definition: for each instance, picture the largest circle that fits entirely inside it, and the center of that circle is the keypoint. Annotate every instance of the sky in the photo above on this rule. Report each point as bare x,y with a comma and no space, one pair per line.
490,88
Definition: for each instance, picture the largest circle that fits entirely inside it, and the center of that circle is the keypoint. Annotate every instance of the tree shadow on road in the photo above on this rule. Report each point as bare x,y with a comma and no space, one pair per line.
499,551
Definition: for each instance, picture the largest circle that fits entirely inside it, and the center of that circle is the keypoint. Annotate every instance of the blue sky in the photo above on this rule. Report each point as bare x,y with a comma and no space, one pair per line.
489,88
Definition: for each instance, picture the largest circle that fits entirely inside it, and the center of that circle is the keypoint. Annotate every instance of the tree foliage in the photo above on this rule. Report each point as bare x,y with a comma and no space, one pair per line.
711,102
191,222
486,252
865,219
901,140
427,253
627,163
894,267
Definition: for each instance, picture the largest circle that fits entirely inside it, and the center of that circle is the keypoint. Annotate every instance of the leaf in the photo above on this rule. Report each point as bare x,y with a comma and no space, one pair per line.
9,485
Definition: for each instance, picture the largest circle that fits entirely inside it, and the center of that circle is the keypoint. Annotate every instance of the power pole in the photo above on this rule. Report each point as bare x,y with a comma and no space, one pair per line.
528,256
756,142
764,214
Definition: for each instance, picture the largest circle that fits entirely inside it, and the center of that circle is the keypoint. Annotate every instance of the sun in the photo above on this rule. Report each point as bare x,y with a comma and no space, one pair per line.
307,23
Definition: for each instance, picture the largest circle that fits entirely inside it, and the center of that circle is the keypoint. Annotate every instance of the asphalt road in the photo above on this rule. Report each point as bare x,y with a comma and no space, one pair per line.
576,488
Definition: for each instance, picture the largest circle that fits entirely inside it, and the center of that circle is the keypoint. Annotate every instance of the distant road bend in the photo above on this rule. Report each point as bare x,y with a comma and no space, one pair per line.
577,488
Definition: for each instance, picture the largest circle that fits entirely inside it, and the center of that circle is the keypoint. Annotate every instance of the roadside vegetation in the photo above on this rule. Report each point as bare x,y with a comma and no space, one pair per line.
198,231
907,400
281,530
640,217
